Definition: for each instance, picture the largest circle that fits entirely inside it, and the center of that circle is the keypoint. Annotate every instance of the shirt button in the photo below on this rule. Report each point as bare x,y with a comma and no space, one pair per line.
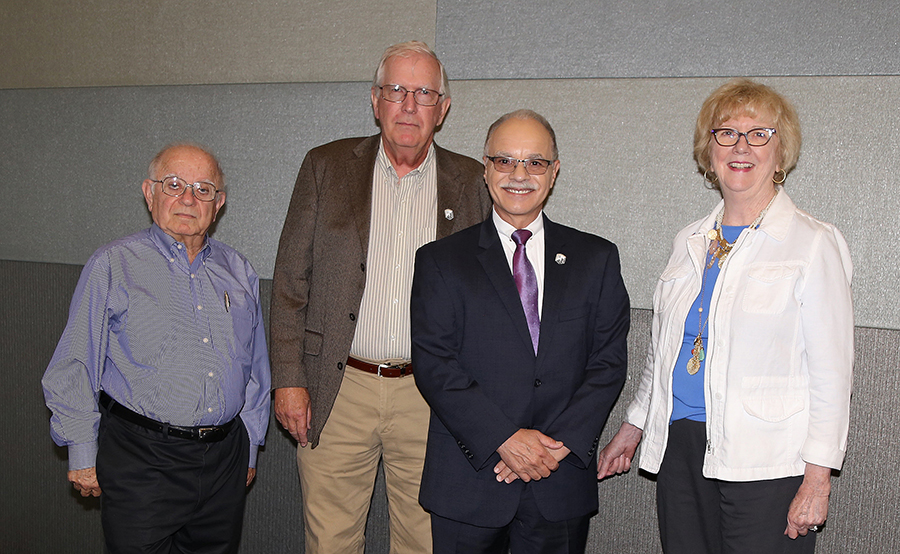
192,275
209,410
205,339
178,246
171,259
199,307
211,374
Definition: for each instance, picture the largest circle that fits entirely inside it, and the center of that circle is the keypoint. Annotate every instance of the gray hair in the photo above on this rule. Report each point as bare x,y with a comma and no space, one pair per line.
157,160
407,50
523,114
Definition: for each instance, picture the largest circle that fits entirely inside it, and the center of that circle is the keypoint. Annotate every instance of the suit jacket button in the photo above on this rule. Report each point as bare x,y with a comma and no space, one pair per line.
352,317
537,383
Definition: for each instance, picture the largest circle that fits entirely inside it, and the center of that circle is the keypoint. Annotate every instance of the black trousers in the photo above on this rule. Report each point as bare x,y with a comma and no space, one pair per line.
528,533
708,516
166,495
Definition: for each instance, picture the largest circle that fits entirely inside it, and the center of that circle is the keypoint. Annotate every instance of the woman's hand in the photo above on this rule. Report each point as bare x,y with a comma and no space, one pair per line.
617,455
810,505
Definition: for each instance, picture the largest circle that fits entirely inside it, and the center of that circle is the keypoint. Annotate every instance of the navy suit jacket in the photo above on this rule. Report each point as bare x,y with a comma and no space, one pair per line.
475,365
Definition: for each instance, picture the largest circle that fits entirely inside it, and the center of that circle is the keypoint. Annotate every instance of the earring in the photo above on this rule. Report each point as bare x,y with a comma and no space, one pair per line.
783,176
715,178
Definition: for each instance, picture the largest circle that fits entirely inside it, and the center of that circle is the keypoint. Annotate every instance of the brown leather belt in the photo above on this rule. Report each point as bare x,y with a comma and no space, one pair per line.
382,370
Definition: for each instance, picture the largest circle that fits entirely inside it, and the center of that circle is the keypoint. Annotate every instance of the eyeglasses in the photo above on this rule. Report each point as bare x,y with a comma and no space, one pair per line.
423,96
534,166
758,136
174,186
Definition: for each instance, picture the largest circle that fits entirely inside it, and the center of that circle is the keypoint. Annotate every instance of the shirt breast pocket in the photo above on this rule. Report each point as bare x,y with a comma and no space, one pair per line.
769,287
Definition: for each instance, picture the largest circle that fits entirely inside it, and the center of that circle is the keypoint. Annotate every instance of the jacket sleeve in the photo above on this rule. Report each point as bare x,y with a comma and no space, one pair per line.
827,320
290,286
580,424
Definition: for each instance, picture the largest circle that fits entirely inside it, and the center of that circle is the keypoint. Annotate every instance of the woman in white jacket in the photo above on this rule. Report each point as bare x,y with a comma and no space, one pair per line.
743,405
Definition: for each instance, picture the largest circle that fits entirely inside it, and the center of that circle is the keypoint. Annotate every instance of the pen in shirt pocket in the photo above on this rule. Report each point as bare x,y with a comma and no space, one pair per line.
227,302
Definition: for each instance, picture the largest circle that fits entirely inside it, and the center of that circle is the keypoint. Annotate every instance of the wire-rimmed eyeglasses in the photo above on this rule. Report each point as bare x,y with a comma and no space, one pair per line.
423,96
758,136
534,166
173,185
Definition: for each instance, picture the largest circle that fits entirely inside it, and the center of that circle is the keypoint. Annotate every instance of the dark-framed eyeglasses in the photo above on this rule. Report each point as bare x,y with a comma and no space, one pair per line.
173,185
758,136
423,96
534,166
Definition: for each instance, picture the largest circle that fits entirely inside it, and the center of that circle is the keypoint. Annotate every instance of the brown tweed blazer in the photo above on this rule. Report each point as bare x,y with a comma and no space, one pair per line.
320,270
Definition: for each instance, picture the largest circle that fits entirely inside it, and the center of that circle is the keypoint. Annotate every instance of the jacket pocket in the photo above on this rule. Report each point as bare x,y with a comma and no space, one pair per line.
769,287
771,399
312,343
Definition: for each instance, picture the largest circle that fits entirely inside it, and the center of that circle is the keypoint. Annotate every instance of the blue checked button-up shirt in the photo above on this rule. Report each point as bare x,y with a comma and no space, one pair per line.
182,343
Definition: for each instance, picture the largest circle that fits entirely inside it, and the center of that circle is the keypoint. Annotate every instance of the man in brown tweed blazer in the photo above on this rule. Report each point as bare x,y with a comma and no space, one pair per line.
340,306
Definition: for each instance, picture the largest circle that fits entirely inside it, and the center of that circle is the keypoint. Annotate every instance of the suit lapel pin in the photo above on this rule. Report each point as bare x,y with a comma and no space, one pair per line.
561,259
448,214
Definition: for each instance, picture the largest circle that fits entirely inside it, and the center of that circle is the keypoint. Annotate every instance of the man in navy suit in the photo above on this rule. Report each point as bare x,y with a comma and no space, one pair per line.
519,332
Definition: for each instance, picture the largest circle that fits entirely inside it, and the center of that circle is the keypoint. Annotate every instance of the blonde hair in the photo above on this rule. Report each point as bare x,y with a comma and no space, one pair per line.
743,97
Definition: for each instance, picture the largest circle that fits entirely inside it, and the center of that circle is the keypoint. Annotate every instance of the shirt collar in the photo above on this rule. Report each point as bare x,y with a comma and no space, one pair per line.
169,246
506,230
385,163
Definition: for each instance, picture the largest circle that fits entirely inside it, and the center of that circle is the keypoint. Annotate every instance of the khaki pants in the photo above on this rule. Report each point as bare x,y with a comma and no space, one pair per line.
373,418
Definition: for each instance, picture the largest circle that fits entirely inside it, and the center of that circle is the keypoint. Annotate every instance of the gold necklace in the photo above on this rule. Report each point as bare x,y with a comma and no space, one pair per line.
719,248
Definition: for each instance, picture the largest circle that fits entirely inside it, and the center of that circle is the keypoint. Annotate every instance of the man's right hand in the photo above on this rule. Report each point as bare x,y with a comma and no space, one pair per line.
293,411
527,453
85,481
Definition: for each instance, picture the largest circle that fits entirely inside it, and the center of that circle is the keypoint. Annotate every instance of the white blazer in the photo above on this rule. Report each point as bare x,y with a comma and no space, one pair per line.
780,351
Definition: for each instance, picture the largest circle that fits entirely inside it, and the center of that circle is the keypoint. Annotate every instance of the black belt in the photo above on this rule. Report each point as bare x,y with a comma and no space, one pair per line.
209,433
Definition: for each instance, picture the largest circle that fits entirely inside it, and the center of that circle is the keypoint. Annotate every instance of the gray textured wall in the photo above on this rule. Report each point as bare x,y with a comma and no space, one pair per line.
90,90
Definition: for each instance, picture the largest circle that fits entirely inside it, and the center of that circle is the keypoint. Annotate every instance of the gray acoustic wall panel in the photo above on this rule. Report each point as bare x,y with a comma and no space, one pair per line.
532,39
164,42
41,512
73,160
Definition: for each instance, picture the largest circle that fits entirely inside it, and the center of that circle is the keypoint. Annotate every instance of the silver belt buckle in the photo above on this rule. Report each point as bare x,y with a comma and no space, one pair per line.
392,365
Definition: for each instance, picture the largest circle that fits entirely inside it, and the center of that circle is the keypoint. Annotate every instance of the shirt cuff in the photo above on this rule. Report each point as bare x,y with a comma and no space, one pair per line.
253,451
82,456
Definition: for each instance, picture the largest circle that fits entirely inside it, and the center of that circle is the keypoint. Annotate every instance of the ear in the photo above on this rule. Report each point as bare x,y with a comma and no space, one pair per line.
485,161
375,104
445,105
220,201
147,187
555,171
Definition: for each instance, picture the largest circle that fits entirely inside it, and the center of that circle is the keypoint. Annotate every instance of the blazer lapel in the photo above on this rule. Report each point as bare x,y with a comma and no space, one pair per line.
556,279
493,260
451,194
360,171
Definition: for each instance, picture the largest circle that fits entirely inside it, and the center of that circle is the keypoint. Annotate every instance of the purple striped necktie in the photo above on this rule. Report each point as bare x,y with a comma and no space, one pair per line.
526,282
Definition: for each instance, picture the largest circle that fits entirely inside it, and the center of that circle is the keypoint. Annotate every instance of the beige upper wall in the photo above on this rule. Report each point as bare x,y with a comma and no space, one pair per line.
78,43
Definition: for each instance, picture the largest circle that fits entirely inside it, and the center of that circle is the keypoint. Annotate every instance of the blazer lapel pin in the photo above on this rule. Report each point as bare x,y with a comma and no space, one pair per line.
448,214
560,258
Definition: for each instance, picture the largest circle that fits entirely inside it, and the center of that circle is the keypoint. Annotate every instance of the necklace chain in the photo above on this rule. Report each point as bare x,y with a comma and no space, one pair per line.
719,248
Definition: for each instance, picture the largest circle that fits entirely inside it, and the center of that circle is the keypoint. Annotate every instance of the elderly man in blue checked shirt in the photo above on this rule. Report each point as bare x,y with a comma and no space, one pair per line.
159,386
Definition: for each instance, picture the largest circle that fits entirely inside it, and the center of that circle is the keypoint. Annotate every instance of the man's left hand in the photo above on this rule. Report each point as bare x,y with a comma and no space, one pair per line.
251,473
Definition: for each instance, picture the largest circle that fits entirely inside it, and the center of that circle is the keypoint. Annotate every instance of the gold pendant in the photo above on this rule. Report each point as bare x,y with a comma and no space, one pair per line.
693,366
712,234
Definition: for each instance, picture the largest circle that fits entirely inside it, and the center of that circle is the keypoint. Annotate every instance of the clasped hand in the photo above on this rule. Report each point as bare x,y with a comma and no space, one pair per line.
529,455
